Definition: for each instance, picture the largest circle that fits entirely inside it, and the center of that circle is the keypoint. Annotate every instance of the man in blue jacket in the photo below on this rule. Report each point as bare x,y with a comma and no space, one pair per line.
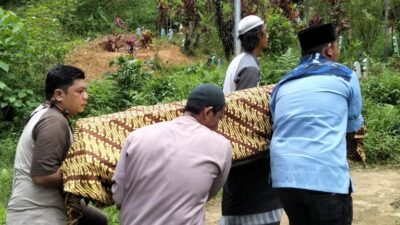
313,107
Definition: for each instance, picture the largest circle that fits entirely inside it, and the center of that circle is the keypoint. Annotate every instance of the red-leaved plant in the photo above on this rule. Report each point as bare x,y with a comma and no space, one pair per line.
118,41
119,22
163,9
113,42
190,21
289,8
146,39
338,15
131,42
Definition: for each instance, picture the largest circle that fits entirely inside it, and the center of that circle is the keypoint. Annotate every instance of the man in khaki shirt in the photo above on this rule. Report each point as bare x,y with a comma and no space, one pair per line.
37,186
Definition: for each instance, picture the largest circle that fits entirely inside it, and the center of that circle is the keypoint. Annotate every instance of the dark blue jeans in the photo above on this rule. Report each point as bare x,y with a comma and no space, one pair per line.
305,207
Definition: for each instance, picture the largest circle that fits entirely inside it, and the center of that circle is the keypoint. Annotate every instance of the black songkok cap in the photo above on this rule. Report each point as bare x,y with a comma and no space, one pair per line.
206,95
315,36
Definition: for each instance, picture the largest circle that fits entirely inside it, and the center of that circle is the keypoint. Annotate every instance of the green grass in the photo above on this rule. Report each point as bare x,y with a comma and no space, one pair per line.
2,214
6,176
8,143
112,215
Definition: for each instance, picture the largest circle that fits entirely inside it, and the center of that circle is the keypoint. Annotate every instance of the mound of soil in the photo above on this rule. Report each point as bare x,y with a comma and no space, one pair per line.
92,57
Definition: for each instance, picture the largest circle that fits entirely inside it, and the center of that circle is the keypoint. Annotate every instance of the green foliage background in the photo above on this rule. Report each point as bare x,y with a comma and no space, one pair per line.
381,110
35,35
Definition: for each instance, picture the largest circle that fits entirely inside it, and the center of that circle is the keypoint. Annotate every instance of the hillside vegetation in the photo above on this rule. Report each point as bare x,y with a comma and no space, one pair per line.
36,35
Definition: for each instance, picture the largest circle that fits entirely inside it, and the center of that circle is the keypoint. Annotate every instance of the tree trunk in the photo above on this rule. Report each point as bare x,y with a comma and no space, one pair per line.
225,29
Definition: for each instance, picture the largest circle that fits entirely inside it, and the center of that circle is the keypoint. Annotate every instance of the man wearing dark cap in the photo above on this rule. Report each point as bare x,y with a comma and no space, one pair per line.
313,107
248,197
167,171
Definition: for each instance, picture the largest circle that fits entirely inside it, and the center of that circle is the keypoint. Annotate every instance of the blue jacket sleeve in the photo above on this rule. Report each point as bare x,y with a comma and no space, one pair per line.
355,119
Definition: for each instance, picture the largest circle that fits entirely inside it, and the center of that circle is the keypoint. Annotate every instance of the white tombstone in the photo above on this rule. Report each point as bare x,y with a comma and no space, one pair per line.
170,34
162,33
365,67
180,28
183,43
138,32
220,62
395,45
341,45
357,69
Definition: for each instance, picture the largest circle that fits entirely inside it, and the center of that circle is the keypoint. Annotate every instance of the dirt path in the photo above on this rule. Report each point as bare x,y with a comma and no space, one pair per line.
375,202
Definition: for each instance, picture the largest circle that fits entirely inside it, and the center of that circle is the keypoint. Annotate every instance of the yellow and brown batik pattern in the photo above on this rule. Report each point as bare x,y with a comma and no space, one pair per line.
91,161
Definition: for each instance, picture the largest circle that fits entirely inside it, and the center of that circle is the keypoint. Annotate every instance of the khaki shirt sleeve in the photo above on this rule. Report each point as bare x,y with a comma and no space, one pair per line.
52,140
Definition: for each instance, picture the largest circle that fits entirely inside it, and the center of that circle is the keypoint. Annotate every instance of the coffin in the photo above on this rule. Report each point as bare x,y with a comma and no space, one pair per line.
91,160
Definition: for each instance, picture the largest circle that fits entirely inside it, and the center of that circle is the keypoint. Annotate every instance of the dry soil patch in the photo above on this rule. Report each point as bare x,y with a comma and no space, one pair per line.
375,202
94,59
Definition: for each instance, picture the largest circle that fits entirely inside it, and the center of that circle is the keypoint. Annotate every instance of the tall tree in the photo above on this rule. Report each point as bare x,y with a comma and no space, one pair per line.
366,21
225,29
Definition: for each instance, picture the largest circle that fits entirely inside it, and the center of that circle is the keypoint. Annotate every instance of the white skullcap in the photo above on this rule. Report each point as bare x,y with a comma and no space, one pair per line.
248,23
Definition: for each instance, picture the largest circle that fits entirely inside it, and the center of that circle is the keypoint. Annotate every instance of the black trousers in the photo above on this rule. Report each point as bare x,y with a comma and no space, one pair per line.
92,216
305,207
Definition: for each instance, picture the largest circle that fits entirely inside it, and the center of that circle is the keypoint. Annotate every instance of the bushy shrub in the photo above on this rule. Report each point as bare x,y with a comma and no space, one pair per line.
30,46
381,111
378,49
190,77
8,4
383,132
96,16
351,50
281,33
366,21
382,87
112,215
158,89
85,17
130,78
136,84
174,84
103,98
206,74
6,176
47,43
8,145
274,67
13,40
3,211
